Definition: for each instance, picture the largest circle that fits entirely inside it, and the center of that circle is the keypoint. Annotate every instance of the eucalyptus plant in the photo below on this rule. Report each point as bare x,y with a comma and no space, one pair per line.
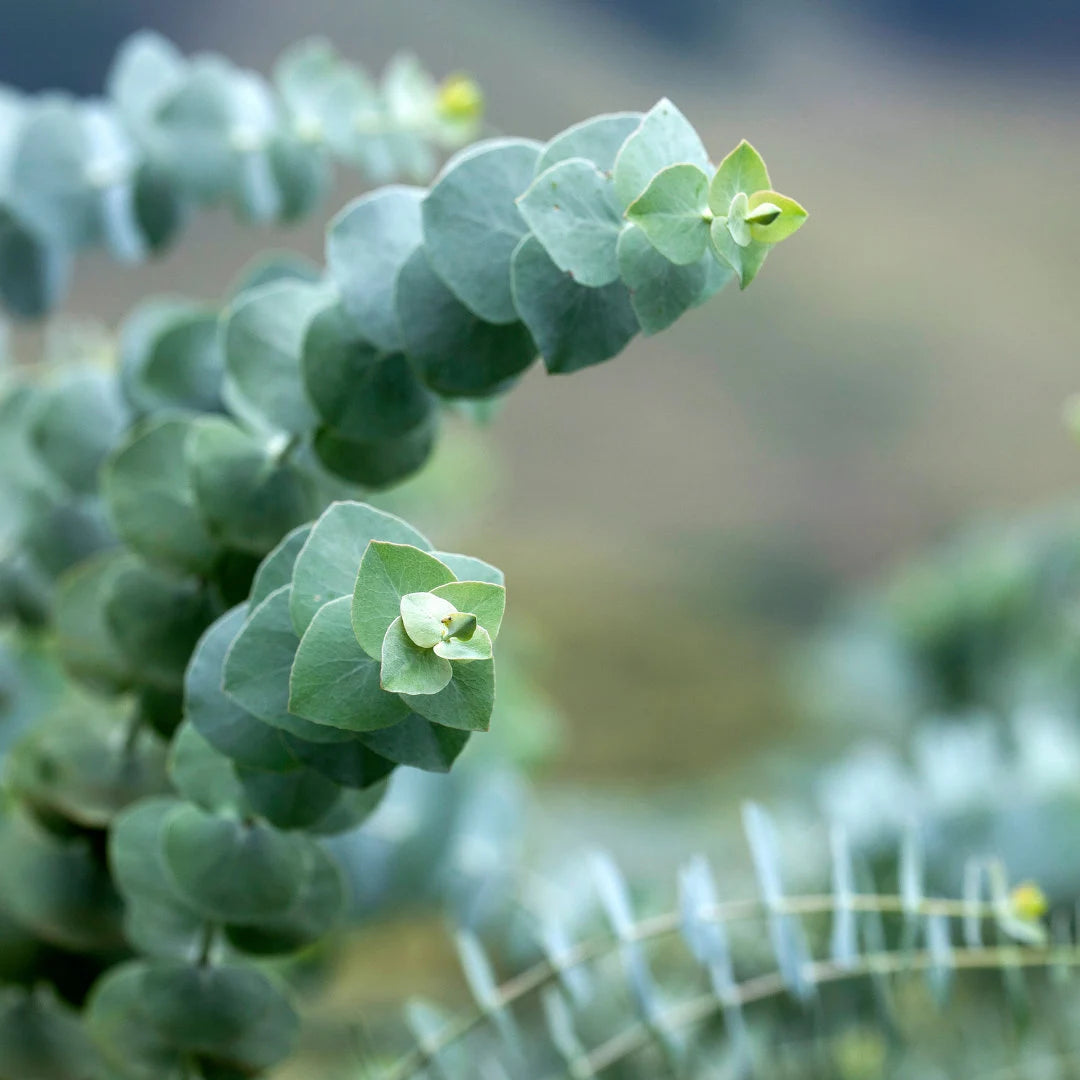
250,647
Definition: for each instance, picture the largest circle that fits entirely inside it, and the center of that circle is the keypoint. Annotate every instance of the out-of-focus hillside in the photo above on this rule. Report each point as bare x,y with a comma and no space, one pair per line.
896,368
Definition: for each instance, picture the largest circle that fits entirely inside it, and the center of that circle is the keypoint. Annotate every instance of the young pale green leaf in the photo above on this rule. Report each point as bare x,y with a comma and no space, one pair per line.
737,225
262,333
472,223
360,391
573,326
598,140
477,647
664,137
485,600
456,353
333,681
389,571
408,669
377,463
422,615
659,290
744,261
230,871
571,210
327,564
743,170
221,721
673,212
785,216
152,502
465,702
367,244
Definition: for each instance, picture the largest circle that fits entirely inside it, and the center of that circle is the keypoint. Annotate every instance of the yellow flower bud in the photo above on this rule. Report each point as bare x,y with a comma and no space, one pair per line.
460,99
1028,901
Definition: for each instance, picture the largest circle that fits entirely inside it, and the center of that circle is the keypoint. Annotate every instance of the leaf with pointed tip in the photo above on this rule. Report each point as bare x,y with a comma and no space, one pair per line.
408,669
744,261
327,565
465,702
388,572
664,137
573,326
673,212
472,223
743,170
483,599
571,210
790,217
333,681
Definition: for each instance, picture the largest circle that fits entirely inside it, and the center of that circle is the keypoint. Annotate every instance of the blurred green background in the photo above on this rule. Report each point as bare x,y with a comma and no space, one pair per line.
674,525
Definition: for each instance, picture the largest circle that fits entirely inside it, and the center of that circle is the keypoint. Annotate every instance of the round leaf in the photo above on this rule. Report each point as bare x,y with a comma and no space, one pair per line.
360,391
151,500
227,726
456,353
367,244
334,681
262,335
574,326
228,870
408,669
472,224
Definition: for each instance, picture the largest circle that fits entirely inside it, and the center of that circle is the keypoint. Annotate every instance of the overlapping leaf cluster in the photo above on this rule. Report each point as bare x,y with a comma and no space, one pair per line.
253,649
174,133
